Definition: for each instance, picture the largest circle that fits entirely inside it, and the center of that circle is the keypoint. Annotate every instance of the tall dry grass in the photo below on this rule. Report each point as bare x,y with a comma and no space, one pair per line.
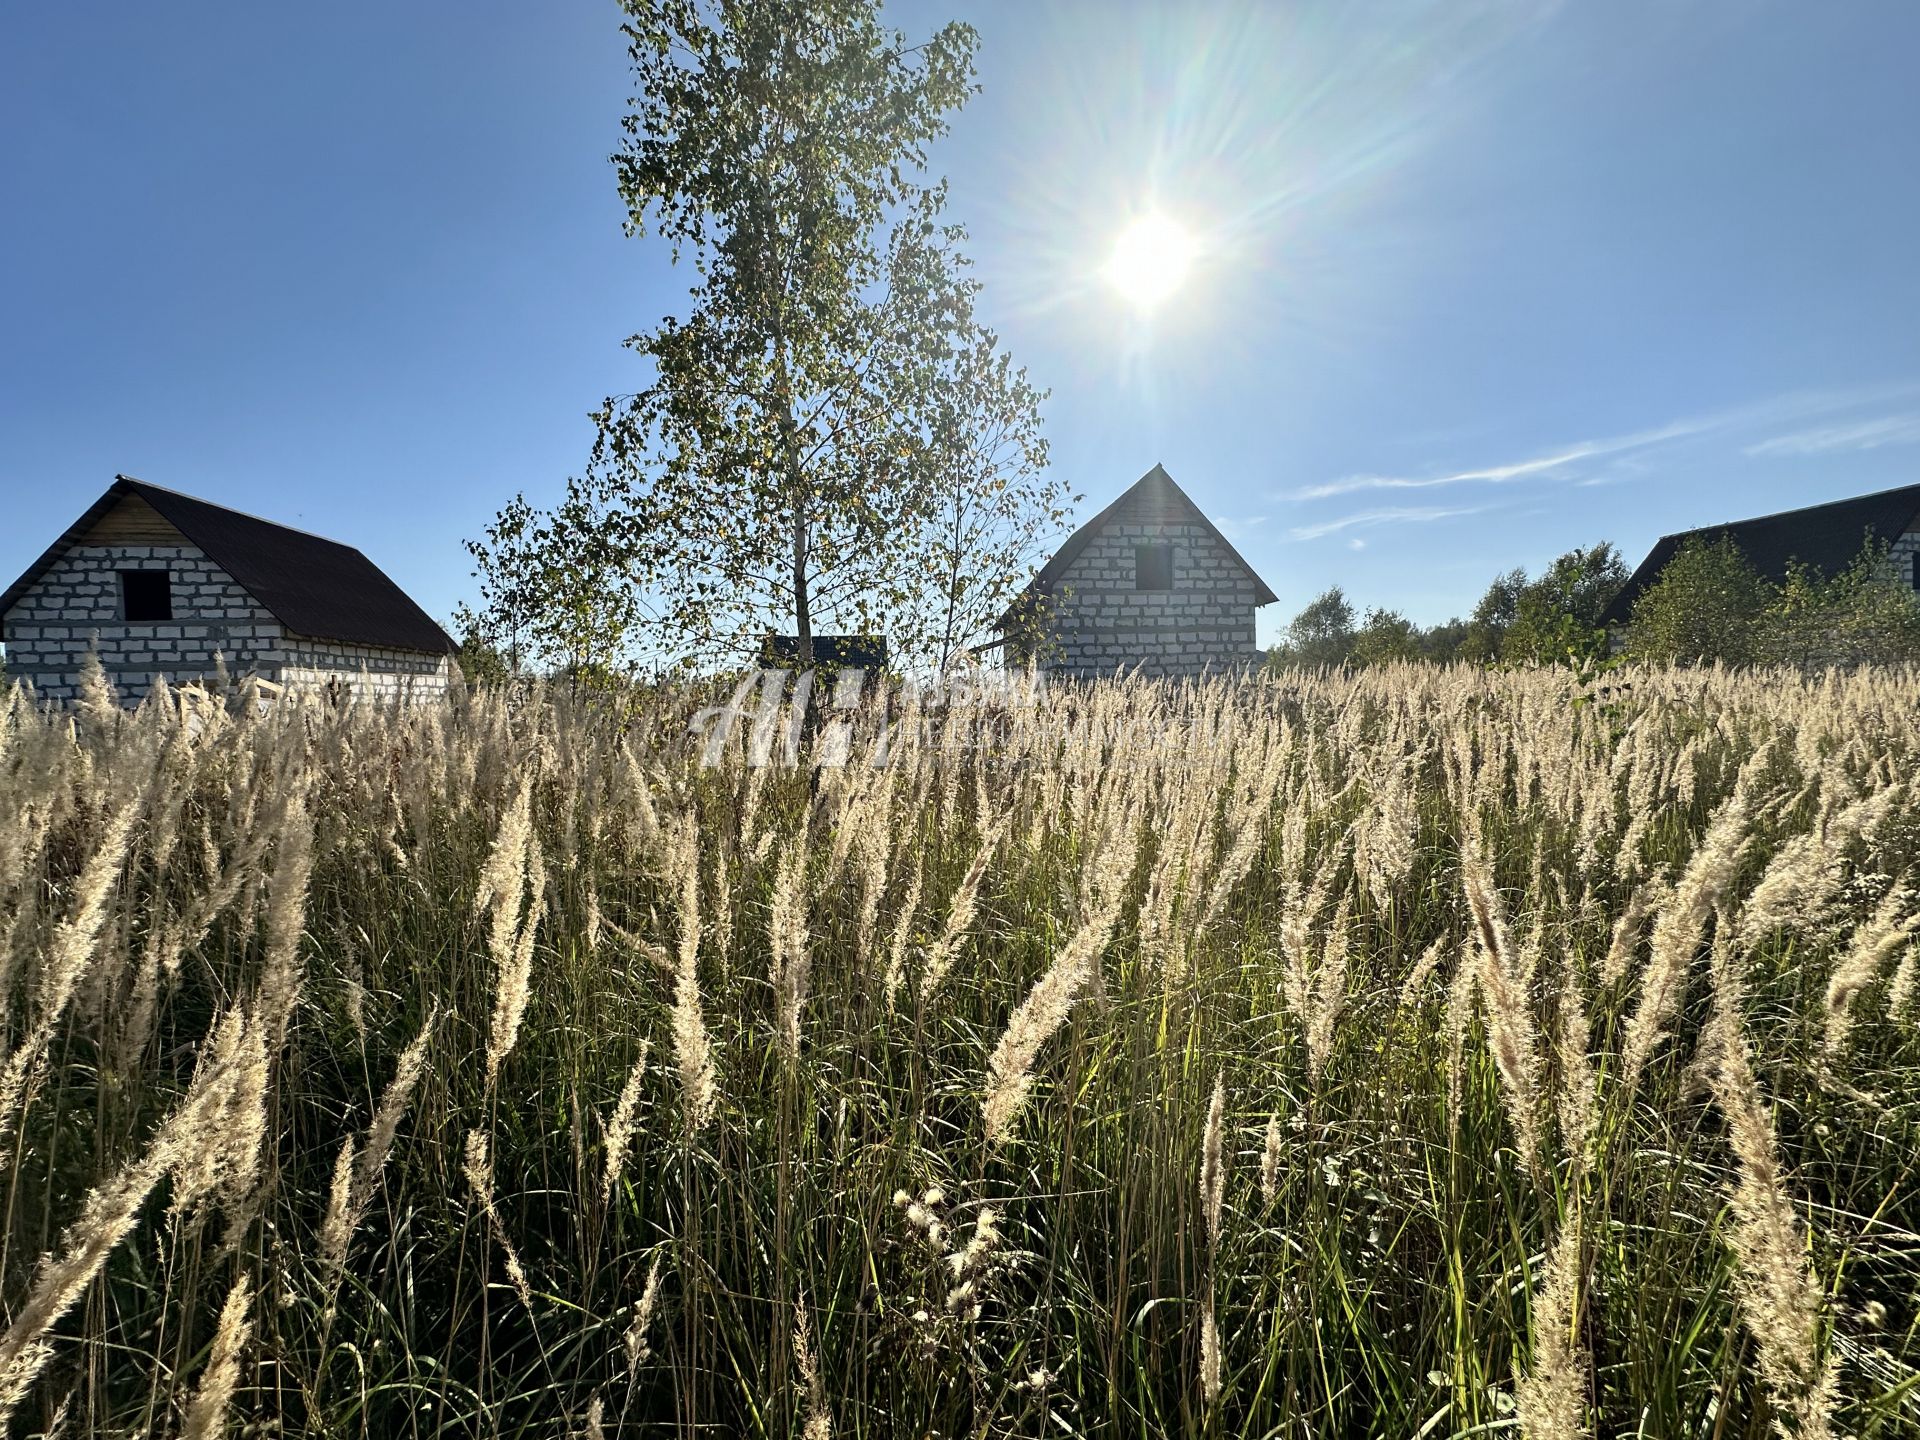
1423,1052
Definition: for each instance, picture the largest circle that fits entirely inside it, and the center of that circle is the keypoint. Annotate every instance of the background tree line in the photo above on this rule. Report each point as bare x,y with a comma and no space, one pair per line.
1709,604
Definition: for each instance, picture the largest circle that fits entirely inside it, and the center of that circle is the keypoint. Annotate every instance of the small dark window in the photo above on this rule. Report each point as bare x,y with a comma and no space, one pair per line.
1914,561
1153,567
145,595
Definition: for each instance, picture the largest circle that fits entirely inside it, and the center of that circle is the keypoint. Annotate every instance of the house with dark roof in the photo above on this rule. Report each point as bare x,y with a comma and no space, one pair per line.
1149,583
158,583
1827,538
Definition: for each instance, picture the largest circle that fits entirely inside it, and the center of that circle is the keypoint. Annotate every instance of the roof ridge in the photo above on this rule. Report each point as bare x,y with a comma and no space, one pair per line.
137,482
1890,491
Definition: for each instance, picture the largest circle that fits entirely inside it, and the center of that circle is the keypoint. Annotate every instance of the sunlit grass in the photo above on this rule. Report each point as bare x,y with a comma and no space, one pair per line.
1241,885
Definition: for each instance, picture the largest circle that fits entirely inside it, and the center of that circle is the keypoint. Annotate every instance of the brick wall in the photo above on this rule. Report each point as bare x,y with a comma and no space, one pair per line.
1101,622
77,603
363,669
1902,555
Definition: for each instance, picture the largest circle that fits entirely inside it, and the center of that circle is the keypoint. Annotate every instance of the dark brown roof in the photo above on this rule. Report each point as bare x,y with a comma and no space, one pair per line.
1152,499
845,652
314,587
1828,537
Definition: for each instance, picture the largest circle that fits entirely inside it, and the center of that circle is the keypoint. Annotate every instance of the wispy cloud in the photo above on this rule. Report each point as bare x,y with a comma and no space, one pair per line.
1392,514
1501,474
1777,410
1858,435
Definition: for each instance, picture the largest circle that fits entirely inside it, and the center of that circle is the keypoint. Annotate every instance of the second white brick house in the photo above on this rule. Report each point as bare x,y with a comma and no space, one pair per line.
158,582
1150,584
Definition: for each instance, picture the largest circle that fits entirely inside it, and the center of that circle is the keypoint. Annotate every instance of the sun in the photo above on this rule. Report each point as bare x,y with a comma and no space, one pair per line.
1150,260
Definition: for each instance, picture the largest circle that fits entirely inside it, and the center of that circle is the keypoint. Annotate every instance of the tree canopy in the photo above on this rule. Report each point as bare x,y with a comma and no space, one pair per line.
1706,605
815,416
557,587
1321,634
1710,603
830,438
1557,616
1551,619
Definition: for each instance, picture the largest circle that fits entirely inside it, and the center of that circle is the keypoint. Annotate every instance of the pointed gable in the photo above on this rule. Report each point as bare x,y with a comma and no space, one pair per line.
1153,499
130,520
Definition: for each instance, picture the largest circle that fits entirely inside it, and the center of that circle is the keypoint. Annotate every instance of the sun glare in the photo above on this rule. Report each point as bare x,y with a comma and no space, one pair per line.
1150,260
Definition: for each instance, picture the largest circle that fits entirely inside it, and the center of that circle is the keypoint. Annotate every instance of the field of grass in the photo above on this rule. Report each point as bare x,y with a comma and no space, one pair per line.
1415,1053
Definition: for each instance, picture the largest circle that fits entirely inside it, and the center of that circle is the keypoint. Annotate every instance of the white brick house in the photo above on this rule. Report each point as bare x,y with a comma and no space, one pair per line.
1149,582
158,582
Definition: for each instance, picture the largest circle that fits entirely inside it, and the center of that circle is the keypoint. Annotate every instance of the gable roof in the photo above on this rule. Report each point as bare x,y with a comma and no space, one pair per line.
1827,537
314,587
1153,498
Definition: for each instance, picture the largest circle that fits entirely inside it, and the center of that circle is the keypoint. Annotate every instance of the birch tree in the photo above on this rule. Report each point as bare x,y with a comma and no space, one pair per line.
810,418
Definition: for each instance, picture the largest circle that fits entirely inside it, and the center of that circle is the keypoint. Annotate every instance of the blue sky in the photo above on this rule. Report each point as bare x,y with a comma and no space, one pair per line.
1477,283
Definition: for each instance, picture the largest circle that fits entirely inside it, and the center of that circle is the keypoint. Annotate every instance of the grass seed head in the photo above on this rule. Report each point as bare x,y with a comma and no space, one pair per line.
1213,1160
207,1410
